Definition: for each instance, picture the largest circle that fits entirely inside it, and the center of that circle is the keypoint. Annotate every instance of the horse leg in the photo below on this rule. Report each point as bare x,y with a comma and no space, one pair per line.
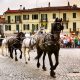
29,55
44,68
26,54
24,49
52,73
38,64
21,54
11,52
2,50
39,54
6,50
57,60
16,56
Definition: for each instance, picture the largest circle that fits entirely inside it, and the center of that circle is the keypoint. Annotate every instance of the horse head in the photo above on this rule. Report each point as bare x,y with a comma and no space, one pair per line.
56,28
20,36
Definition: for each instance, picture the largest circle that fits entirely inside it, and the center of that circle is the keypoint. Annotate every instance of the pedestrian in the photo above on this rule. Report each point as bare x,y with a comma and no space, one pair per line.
76,41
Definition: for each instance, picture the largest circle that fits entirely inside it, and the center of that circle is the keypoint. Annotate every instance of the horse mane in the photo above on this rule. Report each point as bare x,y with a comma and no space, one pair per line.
20,35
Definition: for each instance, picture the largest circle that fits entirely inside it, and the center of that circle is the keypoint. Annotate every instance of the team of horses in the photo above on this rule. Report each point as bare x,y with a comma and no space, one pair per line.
45,43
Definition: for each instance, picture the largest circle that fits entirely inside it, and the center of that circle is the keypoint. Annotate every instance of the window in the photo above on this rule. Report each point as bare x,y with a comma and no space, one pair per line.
44,17
37,27
35,16
17,28
64,16
65,25
7,27
26,27
34,27
25,17
54,16
74,15
9,19
17,18
74,26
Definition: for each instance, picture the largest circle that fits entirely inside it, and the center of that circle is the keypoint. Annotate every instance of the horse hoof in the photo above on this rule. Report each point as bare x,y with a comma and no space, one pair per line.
20,57
38,65
11,57
52,74
36,57
28,59
54,67
16,59
44,68
26,62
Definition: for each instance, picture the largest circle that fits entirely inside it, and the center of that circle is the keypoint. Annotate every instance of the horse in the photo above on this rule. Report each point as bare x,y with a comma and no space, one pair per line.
4,45
16,44
28,44
49,43
13,43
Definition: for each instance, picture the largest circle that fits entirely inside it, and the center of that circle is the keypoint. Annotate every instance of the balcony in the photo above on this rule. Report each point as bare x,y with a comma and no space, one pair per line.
18,21
44,20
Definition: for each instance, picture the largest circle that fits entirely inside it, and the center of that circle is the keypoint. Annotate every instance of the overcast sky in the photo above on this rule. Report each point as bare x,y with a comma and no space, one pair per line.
15,4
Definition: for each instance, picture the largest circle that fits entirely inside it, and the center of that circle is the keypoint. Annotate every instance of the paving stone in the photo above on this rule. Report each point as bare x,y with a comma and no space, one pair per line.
68,68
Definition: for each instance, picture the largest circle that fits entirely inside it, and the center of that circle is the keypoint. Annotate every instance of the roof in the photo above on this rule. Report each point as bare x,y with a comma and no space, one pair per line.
44,9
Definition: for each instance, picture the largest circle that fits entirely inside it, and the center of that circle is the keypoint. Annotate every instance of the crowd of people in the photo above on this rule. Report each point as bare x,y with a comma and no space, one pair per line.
70,41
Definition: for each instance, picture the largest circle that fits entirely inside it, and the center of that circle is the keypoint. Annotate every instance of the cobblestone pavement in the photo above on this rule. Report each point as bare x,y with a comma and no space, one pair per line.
68,68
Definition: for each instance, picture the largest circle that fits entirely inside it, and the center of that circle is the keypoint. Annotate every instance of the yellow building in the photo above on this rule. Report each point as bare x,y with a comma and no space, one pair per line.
29,20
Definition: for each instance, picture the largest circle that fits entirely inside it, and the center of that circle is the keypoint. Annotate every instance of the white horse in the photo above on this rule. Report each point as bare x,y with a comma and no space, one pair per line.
27,44
4,45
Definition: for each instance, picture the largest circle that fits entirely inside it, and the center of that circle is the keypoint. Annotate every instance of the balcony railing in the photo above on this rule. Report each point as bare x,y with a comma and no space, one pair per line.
44,20
18,21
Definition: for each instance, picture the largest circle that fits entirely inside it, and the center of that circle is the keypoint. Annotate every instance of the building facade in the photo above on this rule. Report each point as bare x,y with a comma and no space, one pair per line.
29,20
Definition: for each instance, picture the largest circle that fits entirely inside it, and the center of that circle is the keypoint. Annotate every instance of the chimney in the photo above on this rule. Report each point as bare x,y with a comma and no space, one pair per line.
49,4
20,7
74,6
23,8
68,3
8,8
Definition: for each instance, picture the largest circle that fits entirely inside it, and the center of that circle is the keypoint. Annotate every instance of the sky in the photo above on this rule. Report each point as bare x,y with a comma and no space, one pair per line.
28,4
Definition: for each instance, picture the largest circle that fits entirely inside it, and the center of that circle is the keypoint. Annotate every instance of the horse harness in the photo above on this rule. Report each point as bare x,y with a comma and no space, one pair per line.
16,43
46,41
